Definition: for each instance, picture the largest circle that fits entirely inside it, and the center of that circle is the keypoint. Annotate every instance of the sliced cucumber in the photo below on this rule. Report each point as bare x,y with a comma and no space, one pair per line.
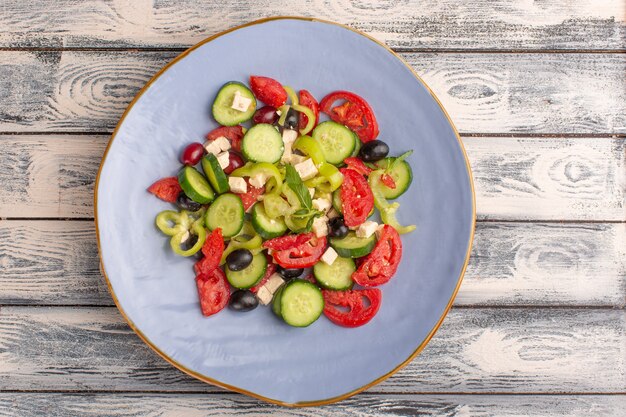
215,174
357,147
263,143
223,113
337,141
352,246
250,275
401,174
264,226
338,204
276,301
227,213
301,303
275,206
337,276
195,185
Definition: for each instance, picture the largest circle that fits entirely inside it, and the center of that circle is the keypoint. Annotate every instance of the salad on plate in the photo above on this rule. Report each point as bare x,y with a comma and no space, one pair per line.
278,213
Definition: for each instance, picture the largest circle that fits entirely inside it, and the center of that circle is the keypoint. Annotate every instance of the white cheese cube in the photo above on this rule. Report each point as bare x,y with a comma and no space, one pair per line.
212,147
379,230
264,295
366,229
311,191
223,143
241,103
295,159
237,185
274,283
289,137
322,204
223,160
332,214
306,169
320,226
329,256
258,180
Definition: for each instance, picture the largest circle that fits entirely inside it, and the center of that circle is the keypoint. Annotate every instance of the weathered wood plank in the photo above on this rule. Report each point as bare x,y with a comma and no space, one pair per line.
521,178
483,24
364,405
56,262
487,93
476,350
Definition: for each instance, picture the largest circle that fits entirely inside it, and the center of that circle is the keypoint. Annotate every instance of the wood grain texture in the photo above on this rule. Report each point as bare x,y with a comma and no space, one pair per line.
363,405
74,91
515,178
476,350
56,262
483,24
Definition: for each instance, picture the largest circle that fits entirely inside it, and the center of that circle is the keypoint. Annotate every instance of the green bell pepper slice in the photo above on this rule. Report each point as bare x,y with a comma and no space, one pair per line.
295,103
328,173
269,170
179,226
248,238
310,147
387,210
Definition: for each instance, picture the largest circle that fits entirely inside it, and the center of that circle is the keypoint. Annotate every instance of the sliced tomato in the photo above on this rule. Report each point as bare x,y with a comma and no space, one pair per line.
167,189
268,90
354,311
378,267
356,196
303,256
252,196
233,133
358,165
287,242
388,181
214,292
212,249
271,268
307,99
354,112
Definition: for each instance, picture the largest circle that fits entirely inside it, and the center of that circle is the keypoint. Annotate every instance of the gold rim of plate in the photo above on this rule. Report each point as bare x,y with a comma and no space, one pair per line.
230,387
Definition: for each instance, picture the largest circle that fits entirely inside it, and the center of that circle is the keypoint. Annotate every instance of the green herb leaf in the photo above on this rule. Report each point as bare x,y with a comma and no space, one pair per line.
293,180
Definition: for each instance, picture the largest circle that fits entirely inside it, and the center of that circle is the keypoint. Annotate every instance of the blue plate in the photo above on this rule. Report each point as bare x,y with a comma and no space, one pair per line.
255,353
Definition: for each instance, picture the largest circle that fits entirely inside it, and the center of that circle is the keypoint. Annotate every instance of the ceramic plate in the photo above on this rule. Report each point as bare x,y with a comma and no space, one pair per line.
256,353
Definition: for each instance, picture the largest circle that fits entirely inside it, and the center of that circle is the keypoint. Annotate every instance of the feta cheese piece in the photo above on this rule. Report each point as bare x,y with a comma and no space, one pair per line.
264,295
237,185
306,169
289,137
274,283
241,103
311,191
295,159
322,204
332,214
329,256
320,226
366,229
223,160
258,180
379,230
212,147
223,143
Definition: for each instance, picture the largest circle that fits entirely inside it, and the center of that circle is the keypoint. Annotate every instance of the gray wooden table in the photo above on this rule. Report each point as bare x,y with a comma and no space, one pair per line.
538,92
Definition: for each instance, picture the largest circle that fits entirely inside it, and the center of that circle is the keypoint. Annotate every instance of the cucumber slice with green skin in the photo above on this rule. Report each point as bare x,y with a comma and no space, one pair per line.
352,246
276,302
337,141
301,303
263,143
338,205
227,213
275,206
215,174
223,113
264,226
337,276
195,185
401,173
357,146
250,275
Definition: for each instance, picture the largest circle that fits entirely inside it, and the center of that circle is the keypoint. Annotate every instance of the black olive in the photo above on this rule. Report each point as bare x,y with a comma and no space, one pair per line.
289,273
373,151
338,228
238,259
187,203
243,300
291,122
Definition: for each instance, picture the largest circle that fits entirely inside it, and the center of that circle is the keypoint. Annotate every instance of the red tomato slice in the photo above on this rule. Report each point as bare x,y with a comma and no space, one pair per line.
233,133
356,197
268,90
358,165
358,313
354,113
388,181
303,256
248,199
307,99
214,292
287,242
212,249
271,268
378,267
167,189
